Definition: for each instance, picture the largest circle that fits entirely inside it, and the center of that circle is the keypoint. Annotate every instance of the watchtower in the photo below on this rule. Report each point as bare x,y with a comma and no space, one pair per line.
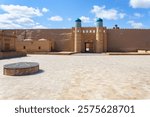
101,36
78,33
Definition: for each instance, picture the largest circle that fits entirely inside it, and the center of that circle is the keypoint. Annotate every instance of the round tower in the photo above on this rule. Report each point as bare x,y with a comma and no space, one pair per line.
78,23
77,38
99,22
99,36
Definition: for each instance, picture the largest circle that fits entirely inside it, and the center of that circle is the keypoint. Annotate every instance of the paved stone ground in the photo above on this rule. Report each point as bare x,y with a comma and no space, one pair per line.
80,76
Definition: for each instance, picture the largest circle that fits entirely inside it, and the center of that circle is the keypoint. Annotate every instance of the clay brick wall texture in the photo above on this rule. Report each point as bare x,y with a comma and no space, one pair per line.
0,42
118,40
62,38
88,34
123,40
33,46
7,41
4,55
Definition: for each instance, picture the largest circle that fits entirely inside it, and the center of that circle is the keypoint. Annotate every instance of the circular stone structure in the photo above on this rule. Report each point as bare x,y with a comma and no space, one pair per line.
21,68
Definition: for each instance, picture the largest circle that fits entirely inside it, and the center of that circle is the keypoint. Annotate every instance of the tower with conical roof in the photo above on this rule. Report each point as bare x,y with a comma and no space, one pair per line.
77,39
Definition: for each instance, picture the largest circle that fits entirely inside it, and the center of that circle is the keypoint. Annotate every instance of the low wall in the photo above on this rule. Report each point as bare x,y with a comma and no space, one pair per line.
33,46
5,55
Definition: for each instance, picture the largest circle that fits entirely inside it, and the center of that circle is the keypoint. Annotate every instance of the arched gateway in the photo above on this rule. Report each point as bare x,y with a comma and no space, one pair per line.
90,39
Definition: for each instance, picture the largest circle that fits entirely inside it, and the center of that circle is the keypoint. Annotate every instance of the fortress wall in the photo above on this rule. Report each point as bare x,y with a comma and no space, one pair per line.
7,41
126,40
118,40
0,42
61,38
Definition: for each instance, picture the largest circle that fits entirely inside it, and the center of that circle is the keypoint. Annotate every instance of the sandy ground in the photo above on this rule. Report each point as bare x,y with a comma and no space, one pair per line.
80,76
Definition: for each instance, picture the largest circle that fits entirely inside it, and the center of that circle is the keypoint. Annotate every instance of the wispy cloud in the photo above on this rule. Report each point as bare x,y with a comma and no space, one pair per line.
138,15
140,3
39,27
56,18
135,24
69,19
45,10
85,19
110,14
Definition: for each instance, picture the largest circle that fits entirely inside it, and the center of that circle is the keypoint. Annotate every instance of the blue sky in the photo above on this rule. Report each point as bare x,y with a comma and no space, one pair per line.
62,13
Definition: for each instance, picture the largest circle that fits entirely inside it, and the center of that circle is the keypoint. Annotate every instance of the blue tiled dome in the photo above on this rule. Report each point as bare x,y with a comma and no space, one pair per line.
99,20
78,20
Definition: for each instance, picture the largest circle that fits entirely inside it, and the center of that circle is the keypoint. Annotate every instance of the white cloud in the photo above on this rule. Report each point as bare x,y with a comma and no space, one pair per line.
138,15
135,24
56,18
69,19
45,10
140,3
24,20
39,27
10,26
85,19
21,10
16,16
110,14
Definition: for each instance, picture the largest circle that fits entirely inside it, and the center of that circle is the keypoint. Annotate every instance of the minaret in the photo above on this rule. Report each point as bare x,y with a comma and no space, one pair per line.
99,36
77,38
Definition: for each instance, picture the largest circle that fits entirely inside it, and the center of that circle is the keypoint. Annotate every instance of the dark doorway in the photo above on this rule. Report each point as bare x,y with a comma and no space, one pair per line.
89,47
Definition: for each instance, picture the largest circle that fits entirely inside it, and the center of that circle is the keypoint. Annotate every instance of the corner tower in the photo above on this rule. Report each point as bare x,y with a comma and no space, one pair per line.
77,39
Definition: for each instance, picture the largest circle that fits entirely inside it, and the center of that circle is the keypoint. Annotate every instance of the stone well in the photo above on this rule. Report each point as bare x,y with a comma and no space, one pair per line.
21,68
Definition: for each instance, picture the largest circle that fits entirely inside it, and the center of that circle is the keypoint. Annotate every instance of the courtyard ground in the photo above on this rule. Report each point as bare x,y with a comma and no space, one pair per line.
80,76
